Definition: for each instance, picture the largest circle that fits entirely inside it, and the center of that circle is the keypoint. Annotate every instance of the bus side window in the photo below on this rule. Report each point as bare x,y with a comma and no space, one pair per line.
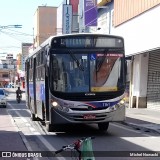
42,73
42,57
38,71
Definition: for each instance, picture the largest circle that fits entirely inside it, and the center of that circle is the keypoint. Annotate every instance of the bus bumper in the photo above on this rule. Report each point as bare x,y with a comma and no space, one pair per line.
98,116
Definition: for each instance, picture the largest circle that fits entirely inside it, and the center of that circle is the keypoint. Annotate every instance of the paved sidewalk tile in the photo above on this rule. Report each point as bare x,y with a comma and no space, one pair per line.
10,139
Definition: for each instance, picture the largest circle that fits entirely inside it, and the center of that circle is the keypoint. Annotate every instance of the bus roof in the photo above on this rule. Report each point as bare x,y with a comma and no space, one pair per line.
48,41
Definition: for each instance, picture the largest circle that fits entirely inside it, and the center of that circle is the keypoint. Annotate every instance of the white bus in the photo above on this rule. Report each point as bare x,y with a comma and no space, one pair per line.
77,78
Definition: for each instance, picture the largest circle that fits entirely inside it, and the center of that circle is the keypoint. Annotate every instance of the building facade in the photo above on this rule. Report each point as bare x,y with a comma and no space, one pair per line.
45,24
25,52
136,21
8,69
139,25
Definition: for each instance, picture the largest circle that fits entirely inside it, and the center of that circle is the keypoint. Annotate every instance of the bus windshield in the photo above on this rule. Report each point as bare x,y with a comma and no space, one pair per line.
86,71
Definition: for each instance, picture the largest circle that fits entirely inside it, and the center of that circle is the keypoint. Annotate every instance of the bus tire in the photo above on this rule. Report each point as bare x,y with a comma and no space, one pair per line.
49,127
103,126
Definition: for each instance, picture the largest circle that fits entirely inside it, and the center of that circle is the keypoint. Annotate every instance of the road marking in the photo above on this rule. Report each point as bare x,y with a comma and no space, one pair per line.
27,124
38,135
32,129
22,135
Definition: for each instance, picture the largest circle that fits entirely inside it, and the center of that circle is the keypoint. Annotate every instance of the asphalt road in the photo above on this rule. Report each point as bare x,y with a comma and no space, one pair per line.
120,142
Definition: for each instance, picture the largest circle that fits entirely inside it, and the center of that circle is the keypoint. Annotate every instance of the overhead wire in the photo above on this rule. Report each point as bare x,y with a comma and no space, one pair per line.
20,33
10,35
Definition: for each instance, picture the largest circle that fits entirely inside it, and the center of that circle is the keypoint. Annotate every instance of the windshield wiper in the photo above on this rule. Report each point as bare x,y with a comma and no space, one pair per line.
100,61
76,60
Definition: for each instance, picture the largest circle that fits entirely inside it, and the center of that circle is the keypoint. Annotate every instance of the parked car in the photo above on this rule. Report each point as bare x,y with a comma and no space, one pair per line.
3,97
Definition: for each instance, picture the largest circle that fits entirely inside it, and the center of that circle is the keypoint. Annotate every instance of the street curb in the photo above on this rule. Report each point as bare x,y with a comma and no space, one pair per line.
140,127
25,141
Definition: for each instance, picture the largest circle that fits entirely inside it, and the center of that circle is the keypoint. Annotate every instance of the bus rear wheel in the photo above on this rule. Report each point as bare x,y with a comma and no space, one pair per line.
103,126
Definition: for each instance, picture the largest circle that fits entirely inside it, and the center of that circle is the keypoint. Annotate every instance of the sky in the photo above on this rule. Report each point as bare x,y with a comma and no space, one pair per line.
19,12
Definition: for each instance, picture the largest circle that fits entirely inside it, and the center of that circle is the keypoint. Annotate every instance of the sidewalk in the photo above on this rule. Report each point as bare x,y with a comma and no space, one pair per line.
10,136
143,119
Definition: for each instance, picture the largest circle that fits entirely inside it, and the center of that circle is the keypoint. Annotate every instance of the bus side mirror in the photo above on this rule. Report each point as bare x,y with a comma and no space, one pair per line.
125,67
128,67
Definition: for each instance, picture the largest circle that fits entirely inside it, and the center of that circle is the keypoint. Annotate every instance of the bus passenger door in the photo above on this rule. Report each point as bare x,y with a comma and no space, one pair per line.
27,83
34,85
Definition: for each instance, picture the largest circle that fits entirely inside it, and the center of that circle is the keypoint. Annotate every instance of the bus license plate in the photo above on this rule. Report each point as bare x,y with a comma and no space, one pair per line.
89,116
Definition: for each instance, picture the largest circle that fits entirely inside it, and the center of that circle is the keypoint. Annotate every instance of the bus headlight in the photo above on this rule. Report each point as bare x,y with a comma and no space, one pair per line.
55,104
116,106
121,103
59,107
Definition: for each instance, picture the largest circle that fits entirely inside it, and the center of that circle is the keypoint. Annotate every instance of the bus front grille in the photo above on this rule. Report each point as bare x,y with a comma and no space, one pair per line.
80,118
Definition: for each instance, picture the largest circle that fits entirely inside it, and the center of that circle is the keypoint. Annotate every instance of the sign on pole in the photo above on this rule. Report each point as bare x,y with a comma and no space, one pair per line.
67,19
90,12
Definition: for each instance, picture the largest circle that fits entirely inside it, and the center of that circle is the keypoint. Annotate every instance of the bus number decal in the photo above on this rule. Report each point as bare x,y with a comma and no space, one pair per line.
105,104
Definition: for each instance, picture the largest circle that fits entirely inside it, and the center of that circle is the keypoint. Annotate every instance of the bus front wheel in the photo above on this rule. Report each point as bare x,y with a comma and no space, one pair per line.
103,126
50,127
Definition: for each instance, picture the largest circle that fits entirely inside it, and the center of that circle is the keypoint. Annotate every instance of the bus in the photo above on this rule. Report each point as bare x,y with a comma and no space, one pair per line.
77,79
